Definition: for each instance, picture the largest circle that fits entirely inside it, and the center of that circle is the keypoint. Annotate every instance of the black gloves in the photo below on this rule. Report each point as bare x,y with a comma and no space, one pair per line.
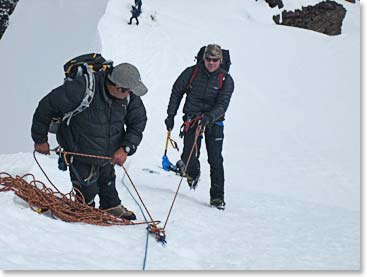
170,121
206,120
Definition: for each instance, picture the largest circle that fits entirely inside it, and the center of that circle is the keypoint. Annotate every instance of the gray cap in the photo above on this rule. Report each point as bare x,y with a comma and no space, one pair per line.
127,76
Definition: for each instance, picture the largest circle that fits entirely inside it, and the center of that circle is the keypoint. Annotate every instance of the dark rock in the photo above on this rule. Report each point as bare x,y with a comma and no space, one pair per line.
6,9
325,17
274,3
276,18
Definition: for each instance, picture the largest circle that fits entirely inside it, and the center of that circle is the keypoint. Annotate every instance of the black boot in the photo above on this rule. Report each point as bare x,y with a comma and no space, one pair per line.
218,203
192,182
121,212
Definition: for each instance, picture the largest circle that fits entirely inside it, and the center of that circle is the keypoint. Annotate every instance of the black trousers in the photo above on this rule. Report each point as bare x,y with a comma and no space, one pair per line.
131,19
91,180
214,136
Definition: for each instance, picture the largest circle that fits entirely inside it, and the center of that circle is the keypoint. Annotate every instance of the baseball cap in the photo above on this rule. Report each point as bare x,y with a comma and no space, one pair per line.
127,76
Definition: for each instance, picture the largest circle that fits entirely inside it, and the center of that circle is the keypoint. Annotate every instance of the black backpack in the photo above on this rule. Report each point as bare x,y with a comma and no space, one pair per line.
79,65
83,65
226,64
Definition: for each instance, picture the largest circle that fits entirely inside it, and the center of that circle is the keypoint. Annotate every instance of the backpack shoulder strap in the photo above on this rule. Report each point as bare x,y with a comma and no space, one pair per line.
193,76
90,84
222,78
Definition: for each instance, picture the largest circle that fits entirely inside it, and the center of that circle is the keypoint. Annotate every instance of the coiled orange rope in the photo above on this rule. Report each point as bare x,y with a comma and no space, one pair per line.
66,207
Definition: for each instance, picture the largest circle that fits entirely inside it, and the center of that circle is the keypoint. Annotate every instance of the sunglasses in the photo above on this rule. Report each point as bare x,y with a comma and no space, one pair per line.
211,59
124,89
118,87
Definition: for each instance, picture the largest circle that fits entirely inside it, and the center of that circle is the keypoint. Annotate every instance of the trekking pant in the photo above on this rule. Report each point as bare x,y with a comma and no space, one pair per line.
131,19
92,179
214,136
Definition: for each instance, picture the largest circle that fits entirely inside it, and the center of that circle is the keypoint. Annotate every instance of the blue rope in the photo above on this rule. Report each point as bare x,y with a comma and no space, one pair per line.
142,212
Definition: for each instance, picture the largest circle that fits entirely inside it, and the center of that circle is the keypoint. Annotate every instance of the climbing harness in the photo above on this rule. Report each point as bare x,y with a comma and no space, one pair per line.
189,123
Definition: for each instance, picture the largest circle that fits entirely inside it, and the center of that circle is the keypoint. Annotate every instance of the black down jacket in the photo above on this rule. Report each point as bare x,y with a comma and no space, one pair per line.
204,96
101,129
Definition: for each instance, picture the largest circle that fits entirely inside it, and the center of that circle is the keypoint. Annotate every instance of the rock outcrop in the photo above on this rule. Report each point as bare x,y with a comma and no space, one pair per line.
6,9
325,17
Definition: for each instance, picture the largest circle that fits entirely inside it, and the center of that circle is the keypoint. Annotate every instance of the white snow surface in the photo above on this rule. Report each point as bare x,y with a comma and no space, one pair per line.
291,148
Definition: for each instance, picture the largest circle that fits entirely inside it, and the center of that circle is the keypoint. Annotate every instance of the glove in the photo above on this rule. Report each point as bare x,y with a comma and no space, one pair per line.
170,121
43,148
119,157
205,121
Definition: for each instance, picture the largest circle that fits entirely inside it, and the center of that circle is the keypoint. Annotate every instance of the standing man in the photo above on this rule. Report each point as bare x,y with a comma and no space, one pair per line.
112,126
207,99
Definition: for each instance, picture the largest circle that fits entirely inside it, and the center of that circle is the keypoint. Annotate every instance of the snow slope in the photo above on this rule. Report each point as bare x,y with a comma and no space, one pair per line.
291,149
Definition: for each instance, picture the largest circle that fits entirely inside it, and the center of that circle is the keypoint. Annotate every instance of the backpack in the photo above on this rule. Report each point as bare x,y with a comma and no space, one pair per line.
226,64
83,65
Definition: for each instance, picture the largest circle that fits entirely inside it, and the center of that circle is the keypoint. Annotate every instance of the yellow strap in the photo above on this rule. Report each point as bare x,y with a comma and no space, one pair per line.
167,139
66,160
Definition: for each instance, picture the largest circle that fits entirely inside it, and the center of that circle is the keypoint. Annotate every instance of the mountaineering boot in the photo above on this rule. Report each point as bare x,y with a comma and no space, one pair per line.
192,182
180,165
121,212
218,203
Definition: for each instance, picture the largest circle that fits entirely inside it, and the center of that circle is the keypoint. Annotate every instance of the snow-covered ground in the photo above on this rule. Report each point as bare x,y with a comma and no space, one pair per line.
291,149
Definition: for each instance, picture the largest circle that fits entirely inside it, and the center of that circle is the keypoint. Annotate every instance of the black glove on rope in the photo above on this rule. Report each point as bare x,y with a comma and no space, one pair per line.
205,121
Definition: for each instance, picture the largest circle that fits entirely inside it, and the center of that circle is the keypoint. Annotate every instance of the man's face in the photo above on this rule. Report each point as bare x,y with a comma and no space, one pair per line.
212,63
118,92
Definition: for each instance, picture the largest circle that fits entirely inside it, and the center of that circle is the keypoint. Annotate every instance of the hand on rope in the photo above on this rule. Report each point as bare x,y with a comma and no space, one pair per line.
119,157
205,120
43,148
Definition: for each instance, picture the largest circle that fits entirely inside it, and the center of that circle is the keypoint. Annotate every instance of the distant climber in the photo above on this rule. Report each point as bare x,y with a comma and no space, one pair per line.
135,12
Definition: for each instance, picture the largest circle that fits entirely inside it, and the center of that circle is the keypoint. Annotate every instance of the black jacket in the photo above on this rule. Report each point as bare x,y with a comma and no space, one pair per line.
101,129
204,96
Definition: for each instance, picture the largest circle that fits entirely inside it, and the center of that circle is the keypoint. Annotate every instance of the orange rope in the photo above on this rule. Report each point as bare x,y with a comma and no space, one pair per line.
66,207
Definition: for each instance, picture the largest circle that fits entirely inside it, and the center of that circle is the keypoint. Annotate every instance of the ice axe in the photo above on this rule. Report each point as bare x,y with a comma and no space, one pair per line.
166,164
